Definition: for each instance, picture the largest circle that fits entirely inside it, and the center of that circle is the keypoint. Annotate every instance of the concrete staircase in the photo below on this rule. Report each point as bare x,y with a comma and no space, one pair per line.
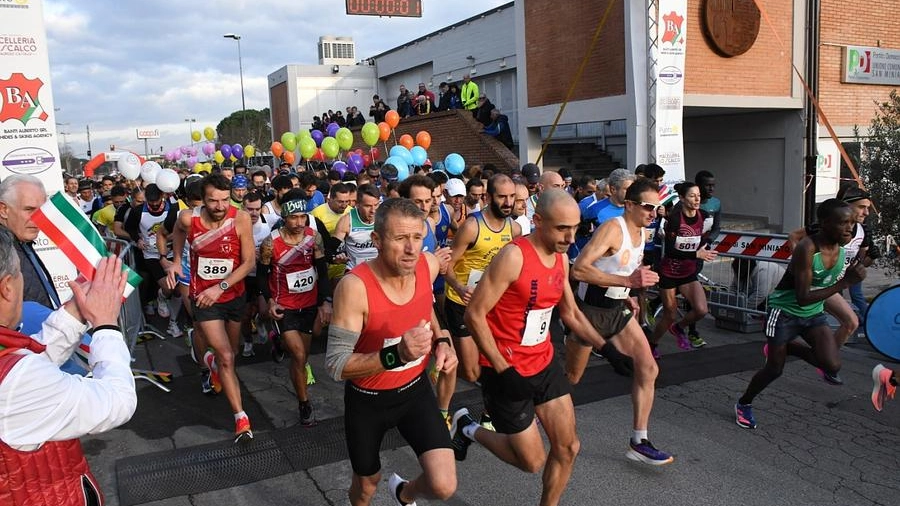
579,159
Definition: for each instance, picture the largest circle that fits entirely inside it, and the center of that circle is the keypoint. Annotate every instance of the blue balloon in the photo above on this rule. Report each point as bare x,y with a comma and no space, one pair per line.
400,164
403,153
340,167
317,136
419,155
332,129
455,164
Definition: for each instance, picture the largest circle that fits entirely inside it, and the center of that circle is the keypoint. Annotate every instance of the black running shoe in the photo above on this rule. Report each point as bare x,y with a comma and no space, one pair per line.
306,414
460,442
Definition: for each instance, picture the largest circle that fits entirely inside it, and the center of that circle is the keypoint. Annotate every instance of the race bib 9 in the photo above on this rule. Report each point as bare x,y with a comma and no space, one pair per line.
474,277
214,268
691,243
537,326
301,281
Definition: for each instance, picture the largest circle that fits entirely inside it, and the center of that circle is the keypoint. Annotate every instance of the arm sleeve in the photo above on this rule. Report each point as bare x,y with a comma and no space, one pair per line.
341,343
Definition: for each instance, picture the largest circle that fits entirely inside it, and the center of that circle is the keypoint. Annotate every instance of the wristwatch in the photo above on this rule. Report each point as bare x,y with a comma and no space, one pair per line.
223,285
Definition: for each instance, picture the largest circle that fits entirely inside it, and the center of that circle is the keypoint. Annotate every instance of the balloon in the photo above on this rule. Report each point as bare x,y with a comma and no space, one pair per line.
317,136
149,171
168,180
289,157
341,167
419,155
402,166
193,151
319,156
367,160
375,152
277,149
330,147
392,119
232,158
307,147
356,162
195,136
237,151
289,141
344,138
169,156
249,151
332,129
384,131
402,152
185,150
303,134
370,134
190,163
454,164
209,148
129,166
209,133
219,157
407,141
200,167
423,139
226,150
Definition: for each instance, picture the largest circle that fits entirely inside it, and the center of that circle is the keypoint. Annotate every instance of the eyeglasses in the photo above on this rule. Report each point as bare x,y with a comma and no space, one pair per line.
647,206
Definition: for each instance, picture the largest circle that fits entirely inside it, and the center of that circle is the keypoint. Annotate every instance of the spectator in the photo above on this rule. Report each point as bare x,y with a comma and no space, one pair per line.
317,124
355,118
455,101
483,112
404,103
499,128
423,105
339,119
378,109
757,280
444,98
427,93
469,95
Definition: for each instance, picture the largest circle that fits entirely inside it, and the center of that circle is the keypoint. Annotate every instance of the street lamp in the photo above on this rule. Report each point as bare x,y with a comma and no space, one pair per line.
190,122
68,153
240,67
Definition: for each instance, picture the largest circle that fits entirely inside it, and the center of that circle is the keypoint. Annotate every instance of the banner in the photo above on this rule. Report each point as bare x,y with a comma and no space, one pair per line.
671,42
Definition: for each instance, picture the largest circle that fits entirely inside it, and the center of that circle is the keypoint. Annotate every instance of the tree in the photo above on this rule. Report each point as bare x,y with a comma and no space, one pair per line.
880,168
245,127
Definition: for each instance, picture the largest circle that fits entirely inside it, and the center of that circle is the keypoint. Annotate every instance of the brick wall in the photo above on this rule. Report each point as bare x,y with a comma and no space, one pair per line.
861,23
761,71
558,36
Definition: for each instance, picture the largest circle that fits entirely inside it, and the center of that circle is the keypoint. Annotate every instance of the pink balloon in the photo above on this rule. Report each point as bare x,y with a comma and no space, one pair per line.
193,152
185,150
168,156
192,161
209,148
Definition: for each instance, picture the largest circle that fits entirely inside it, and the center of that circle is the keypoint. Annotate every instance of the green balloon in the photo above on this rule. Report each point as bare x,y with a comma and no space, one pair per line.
330,147
307,147
303,134
370,134
344,138
288,137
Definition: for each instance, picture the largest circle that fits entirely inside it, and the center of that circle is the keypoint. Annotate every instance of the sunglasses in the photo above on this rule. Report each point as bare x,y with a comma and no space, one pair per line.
648,206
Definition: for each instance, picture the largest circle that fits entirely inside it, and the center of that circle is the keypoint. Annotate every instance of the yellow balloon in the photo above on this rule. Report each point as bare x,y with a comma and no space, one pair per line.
195,136
209,133
249,151
218,157
233,159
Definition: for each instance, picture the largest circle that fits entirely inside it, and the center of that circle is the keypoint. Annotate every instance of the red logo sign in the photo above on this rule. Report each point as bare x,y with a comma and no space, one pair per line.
672,23
19,99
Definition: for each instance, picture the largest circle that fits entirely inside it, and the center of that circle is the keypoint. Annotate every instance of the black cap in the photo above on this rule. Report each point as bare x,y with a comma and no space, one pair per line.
531,172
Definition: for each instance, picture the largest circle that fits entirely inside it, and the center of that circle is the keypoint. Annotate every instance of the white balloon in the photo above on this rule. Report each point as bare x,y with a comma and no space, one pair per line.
129,166
168,180
149,171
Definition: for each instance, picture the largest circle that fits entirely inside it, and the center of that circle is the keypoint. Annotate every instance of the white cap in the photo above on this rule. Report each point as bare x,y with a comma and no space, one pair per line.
455,187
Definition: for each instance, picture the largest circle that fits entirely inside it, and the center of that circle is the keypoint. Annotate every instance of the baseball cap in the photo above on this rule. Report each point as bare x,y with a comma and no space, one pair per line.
531,172
455,187
239,182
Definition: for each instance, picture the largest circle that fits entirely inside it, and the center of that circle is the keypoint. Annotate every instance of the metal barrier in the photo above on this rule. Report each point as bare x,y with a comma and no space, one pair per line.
131,317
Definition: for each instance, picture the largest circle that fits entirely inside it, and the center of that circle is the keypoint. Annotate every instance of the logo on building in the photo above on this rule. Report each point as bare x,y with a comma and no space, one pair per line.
673,28
670,75
859,61
19,99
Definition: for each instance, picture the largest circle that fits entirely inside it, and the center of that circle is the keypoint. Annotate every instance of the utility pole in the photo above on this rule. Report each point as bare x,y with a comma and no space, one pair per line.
88,128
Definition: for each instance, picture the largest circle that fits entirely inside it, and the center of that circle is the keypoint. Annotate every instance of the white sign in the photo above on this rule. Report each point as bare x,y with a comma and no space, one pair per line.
871,65
671,44
148,133
828,169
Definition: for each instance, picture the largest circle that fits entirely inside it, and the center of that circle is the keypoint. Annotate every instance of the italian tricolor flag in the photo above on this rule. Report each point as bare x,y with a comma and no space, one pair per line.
69,228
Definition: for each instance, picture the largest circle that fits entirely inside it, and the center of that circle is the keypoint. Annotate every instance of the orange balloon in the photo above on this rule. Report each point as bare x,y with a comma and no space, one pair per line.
384,131
406,141
289,157
392,119
277,148
423,139
320,155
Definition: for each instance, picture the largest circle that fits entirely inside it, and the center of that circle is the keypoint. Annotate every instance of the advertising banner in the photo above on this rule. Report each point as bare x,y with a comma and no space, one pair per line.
671,45
871,65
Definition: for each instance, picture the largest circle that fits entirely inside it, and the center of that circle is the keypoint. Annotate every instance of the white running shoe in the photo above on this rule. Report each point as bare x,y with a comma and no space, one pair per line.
248,350
162,304
174,330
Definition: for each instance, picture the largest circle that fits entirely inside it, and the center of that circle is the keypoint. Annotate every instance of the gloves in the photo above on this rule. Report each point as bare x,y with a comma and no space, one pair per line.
514,385
621,363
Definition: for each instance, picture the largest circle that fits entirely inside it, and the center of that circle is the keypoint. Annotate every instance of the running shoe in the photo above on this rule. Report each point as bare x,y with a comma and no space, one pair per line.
696,340
830,378
306,414
394,484
459,441
162,304
310,379
683,342
645,452
277,350
743,416
174,330
248,350
881,377
206,383
242,432
210,360
487,422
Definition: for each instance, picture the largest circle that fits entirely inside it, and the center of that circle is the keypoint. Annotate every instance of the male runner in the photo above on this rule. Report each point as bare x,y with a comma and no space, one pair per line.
382,333
796,308
329,213
222,254
509,316
608,267
355,228
256,303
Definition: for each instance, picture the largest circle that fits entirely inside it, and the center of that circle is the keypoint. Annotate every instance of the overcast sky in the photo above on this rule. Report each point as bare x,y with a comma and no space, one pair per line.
117,65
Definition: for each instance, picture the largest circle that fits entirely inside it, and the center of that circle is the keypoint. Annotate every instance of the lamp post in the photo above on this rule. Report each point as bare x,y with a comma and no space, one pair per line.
240,68
190,122
67,153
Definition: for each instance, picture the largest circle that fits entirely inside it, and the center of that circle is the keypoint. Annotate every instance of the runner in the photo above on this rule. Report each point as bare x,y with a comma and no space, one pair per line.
298,290
609,267
383,330
685,244
256,303
354,229
329,213
222,254
796,308
509,315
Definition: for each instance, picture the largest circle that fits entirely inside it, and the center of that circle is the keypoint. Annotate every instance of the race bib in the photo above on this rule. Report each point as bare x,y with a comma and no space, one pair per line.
395,340
301,281
474,277
537,326
691,243
617,292
214,268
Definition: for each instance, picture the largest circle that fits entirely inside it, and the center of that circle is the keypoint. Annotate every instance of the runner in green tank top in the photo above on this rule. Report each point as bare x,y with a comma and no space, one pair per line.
797,305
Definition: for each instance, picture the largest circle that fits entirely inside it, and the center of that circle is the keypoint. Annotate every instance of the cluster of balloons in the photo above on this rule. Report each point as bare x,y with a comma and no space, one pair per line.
131,168
208,133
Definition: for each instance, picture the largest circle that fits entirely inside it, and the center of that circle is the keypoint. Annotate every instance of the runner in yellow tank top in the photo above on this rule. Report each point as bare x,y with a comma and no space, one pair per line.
476,243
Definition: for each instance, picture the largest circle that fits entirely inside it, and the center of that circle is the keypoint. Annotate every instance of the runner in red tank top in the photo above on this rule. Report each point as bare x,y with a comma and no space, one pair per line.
383,330
222,254
509,317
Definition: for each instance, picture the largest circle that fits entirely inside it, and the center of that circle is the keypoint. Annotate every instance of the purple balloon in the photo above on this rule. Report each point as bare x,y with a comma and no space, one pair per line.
192,161
332,129
341,167
317,136
185,150
226,151
238,151
356,163
193,152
